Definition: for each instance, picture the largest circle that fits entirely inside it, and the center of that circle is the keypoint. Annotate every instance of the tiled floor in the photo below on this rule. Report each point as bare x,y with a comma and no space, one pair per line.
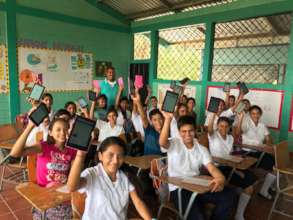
13,206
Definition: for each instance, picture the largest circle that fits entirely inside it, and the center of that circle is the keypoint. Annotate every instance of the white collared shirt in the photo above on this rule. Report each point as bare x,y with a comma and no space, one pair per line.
105,199
105,130
253,134
174,132
32,137
184,162
227,113
137,123
220,147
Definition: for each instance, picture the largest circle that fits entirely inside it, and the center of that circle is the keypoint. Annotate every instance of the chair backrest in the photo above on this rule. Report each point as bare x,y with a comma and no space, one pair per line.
8,132
203,139
158,168
77,204
123,137
282,156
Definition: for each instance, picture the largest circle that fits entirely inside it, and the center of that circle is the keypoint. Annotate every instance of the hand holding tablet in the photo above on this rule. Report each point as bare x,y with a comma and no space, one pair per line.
39,114
37,92
170,101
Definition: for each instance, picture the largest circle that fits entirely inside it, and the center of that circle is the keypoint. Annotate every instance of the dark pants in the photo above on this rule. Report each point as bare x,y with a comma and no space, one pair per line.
224,202
267,162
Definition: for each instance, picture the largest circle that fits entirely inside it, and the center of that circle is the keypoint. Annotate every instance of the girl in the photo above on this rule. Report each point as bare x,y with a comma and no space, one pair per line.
71,108
221,145
190,107
107,188
254,132
53,162
47,99
181,110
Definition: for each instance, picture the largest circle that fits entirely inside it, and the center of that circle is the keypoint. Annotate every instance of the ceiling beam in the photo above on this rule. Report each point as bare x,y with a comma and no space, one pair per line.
167,4
276,27
164,9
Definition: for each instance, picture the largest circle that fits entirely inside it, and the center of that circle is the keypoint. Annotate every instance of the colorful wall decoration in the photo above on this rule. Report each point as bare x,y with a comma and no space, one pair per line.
3,70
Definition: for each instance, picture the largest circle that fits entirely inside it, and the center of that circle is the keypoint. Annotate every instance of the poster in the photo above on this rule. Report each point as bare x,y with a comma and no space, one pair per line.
101,68
3,70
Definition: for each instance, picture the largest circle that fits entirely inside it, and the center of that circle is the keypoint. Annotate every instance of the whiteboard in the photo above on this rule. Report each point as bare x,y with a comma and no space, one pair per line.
270,101
56,70
190,91
3,70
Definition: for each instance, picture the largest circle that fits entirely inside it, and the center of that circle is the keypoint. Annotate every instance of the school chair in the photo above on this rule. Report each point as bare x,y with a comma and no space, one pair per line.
284,167
77,204
204,140
16,168
159,168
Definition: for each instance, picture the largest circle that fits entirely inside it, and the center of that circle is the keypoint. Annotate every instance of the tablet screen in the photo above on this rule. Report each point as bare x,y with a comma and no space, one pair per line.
80,135
37,92
92,96
214,104
82,102
38,115
170,101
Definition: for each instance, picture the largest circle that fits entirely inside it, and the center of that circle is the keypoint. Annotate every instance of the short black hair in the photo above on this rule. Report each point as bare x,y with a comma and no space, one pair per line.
124,98
185,120
255,107
232,96
155,112
191,99
47,95
153,97
62,112
112,109
69,103
112,141
224,119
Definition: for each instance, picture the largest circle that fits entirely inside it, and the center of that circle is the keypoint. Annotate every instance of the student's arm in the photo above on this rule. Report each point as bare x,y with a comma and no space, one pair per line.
211,124
227,94
219,180
92,109
19,149
146,102
120,89
238,126
137,102
239,99
85,112
163,139
74,181
140,206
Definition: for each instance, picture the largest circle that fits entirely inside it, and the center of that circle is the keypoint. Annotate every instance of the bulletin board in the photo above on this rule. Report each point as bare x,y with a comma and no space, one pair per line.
190,91
270,101
3,70
291,117
57,70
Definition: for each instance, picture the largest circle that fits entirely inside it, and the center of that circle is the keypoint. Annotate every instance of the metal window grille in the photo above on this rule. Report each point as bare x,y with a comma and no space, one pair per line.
253,50
142,46
180,52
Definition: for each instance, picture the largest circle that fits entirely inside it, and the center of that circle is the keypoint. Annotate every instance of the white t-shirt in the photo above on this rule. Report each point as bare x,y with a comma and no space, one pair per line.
184,162
174,129
252,134
105,199
227,113
237,118
137,123
120,118
32,138
105,130
220,147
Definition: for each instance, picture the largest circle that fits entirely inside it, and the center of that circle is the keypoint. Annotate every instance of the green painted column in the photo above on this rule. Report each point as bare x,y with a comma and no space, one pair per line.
12,59
288,87
154,56
207,66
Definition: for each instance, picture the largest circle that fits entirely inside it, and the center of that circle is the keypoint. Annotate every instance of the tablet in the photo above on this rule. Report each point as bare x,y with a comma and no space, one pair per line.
172,84
170,101
37,92
242,87
226,87
39,114
82,102
214,104
178,89
92,96
138,82
81,133
240,107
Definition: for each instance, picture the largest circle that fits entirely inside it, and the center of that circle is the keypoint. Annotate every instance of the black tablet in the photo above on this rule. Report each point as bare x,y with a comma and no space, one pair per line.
172,84
214,104
170,101
242,87
80,135
37,92
178,89
82,102
227,87
92,96
39,114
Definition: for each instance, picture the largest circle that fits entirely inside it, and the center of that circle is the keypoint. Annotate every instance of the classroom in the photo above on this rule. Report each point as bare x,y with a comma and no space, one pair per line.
154,110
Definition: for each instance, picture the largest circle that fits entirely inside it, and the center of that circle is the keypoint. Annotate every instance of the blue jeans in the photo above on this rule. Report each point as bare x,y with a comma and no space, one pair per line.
224,202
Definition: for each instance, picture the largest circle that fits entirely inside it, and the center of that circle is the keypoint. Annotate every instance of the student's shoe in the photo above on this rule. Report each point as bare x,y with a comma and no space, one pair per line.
265,196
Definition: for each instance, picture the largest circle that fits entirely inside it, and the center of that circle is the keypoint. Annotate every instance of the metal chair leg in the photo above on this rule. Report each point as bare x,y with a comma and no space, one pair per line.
2,177
273,206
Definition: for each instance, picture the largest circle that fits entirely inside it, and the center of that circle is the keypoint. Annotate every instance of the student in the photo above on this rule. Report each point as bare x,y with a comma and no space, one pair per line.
137,121
47,99
151,130
153,105
109,87
43,127
181,110
221,145
231,101
109,128
254,132
183,99
185,158
107,188
71,108
190,108
53,162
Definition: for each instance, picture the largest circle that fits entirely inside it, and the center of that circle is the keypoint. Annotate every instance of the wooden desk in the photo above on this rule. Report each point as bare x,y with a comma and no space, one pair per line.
246,163
142,162
195,189
42,198
260,148
7,144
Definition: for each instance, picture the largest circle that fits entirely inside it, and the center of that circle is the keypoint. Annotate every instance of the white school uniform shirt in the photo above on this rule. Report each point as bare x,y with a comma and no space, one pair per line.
105,130
184,162
252,134
120,118
105,199
227,113
246,114
174,132
220,147
137,123
32,138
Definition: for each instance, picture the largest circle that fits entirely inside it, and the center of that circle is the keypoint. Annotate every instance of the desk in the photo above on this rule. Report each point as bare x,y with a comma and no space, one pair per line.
8,144
142,162
195,189
42,198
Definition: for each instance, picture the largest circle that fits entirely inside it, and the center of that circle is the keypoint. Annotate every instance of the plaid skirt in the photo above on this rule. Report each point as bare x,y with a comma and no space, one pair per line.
61,212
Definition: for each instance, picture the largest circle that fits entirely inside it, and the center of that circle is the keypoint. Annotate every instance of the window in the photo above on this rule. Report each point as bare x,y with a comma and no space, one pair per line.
142,46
